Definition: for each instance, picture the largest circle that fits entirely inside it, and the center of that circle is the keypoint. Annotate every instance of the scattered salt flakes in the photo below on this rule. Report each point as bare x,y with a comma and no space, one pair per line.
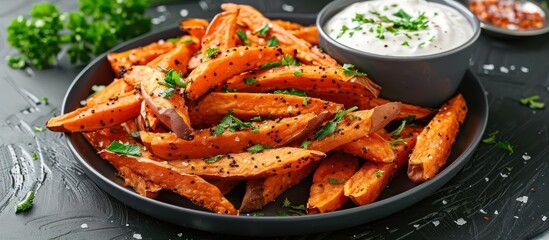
503,175
137,236
416,225
387,228
486,179
512,67
496,212
287,7
84,226
460,221
236,139
180,234
524,69
203,5
488,66
184,12
526,157
503,69
543,218
156,21
161,8
482,211
436,223
523,199
444,202
515,217
127,225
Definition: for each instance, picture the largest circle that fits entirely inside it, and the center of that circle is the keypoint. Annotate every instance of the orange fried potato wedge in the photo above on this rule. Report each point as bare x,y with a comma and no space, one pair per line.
372,147
120,62
435,142
196,27
114,89
326,194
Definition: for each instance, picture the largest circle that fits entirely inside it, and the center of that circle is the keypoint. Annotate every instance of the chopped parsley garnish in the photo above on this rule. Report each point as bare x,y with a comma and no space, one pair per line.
532,102
256,119
401,21
257,148
171,80
405,43
330,127
287,60
506,146
272,42
286,203
38,129
210,52
124,148
46,100
406,120
347,69
298,73
291,91
257,214
271,65
491,137
342,31
432,39
243,38
34,156
229,121
135,134
97,88
379,173
335,181
174,40
397,142
305,144
224,89
250,81
167,93
263,30
187,41
26,203
305,102
294,209
213,159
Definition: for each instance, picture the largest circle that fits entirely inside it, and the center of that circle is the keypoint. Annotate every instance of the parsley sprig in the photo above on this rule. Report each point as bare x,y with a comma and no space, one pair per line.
26,203
287,60
533,102
405,121
124,148
291,91
172,80
257,148
330,127
229,121
491,139
348,70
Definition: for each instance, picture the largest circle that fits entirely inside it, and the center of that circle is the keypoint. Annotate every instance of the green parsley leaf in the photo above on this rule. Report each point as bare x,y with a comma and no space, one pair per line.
210,52
46,100
402,14
229,121
336,182
272,42
532,102
305,144
124,148
213,159
509,169
256,119
330,127
347,69
135,134
298,73
225,90
167,93
305,102
174,40
291,91
271,65
491,137
250,81
97,88
288,60
243,38
432,39
397,142
38,129
342,31
405,43
26,203
286,203
16,62
257,148
34,156
187,41
506,146
263,30
298,210
257,214
406,120
379,173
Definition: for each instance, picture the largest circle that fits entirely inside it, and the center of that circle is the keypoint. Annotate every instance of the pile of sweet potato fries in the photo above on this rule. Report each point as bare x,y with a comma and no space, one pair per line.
246,98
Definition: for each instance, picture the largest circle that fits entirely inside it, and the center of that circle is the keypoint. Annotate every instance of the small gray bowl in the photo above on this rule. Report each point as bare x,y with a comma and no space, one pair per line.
427,80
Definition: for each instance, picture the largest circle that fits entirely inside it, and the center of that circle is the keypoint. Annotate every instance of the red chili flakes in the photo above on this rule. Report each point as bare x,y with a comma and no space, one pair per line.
509,14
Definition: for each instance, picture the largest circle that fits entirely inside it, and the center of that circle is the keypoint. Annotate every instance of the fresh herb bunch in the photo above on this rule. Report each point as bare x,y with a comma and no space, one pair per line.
95,28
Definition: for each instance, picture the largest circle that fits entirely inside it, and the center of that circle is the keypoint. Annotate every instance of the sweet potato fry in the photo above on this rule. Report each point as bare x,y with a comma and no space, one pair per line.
179,57
330,84
287,24
120,62
104,115
150,120
114,89
190,186
309,34
230,63
435,141
372,147
169,109
138,183
249,165
326,194
247,105
405,111
259,192
255,20
273,133
370,180
221,33
196,27
356,125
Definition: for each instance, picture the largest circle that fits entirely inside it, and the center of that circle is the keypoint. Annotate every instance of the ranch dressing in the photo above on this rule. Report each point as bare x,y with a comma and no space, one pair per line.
399,27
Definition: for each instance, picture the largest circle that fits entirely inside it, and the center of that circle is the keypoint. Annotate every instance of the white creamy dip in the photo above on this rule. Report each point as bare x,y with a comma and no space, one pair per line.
399,27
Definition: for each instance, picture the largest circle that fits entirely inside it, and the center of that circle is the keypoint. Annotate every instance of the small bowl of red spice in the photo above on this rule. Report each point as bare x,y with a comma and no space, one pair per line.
511,17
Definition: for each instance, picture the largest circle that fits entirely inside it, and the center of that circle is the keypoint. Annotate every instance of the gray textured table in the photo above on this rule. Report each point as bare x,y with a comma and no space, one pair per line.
484,194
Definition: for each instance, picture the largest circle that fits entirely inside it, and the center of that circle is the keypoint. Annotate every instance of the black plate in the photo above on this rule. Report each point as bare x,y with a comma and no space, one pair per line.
178,210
